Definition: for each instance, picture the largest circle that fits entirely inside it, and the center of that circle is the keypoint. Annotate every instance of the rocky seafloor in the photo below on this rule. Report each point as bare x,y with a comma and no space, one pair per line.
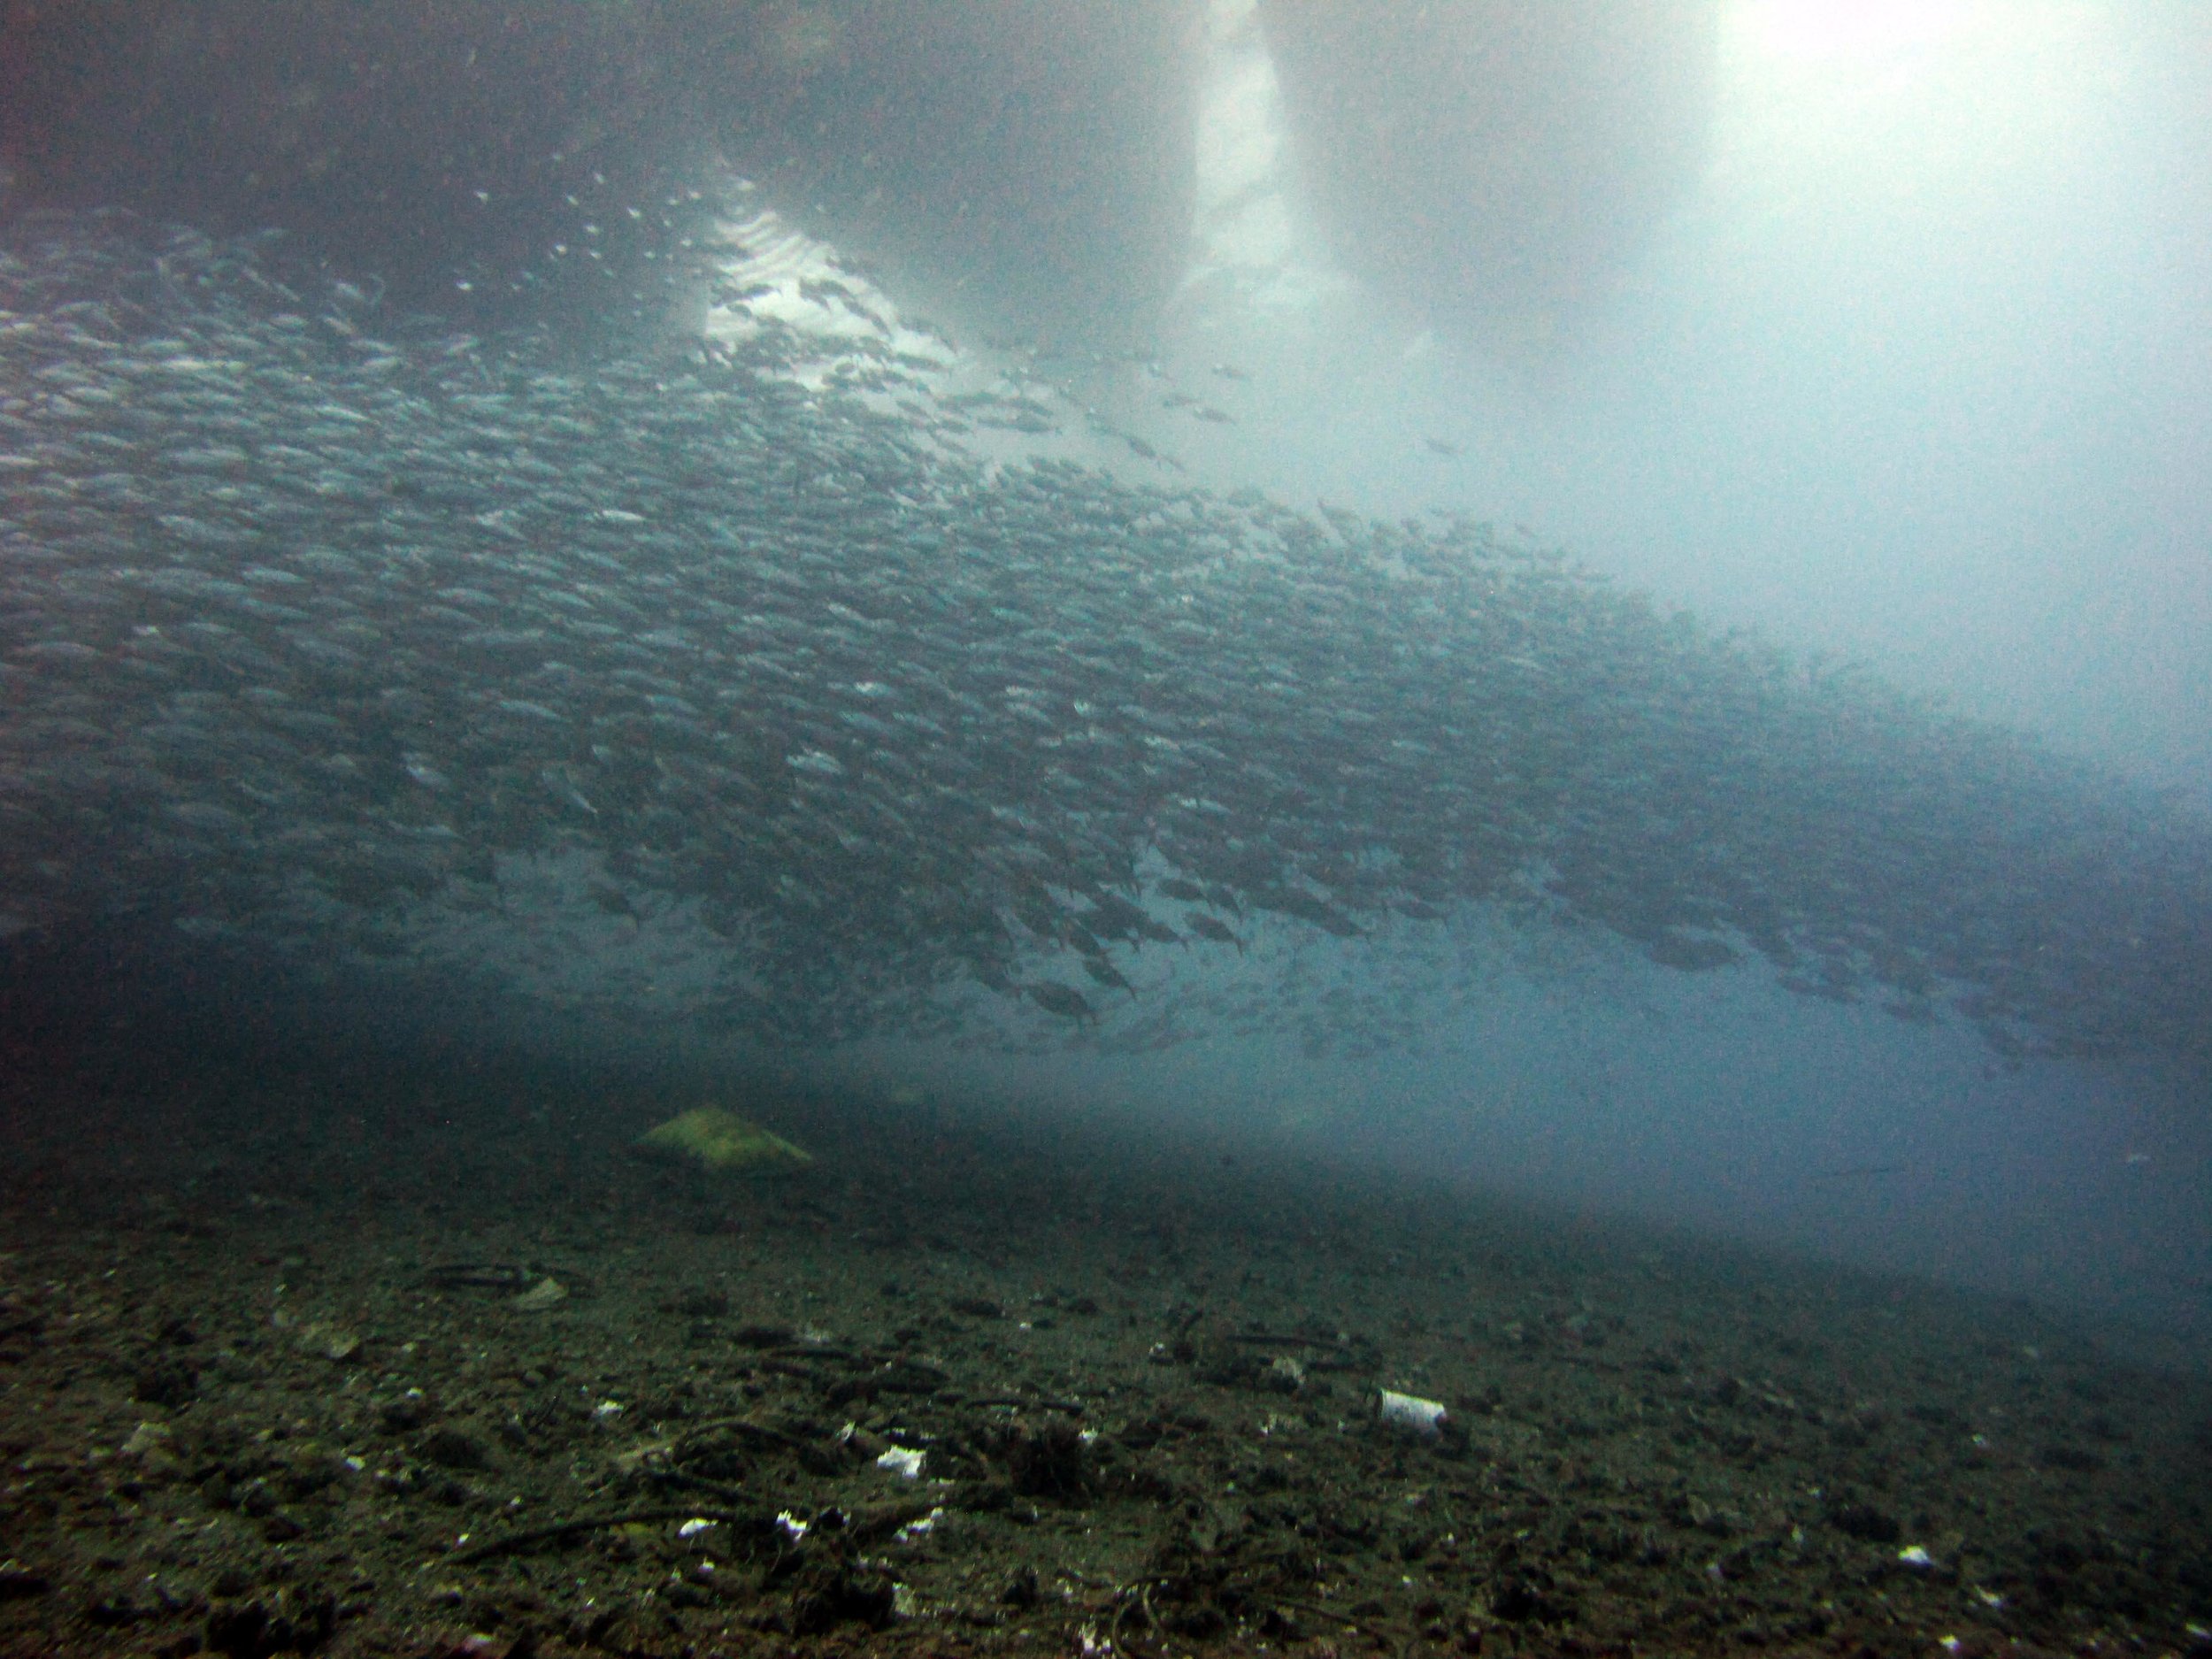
414,1365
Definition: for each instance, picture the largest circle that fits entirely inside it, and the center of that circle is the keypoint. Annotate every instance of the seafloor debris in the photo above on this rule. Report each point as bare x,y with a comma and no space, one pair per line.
1171,1436
719,1139
1410,1414
547,1293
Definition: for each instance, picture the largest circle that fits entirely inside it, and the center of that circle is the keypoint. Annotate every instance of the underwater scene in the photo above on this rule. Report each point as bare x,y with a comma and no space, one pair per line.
1105,828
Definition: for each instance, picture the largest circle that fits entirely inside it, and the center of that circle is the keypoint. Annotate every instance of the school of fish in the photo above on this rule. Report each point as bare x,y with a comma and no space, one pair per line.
314,617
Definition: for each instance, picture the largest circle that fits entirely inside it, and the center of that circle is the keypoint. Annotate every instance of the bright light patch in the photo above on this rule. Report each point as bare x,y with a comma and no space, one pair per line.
1854,28
1941,102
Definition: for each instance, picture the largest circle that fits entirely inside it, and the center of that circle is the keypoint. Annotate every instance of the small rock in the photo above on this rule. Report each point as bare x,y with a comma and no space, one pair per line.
1864,1522
19,1582
237,1629
329,1341
833,1592
113,1612
166,1382
451,1449
1048,1459
285,1623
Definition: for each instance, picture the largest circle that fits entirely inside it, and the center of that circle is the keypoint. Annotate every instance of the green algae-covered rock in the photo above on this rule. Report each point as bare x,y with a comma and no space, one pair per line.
717,1139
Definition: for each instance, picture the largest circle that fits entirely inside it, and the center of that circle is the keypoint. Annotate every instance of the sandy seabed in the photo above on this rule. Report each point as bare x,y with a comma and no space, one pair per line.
384,1366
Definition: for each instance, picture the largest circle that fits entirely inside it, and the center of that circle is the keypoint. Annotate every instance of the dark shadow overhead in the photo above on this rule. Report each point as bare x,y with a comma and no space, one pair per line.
1493,163
1486,162
427,145
1040,154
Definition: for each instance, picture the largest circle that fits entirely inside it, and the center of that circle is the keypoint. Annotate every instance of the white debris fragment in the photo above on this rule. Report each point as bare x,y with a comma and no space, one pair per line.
607,1410
1913,1556
791,1525
1410,1414
547,1293
926,1525
904,1461
695,1525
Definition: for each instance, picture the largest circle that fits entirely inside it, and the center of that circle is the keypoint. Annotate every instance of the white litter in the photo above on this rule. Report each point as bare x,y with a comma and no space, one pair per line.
1410,1414
926,1524
902,1462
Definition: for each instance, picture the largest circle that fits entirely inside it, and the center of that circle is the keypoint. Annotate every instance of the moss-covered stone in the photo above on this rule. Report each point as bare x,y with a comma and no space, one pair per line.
719,1139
